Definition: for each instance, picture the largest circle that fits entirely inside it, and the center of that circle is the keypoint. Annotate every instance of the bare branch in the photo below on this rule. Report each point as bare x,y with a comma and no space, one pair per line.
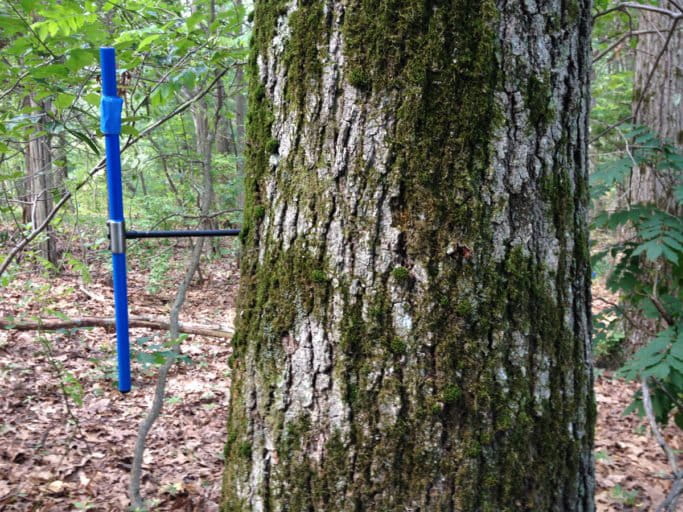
14,86
627,317
620,40
669,504
662,311
643,7
94,321
665,46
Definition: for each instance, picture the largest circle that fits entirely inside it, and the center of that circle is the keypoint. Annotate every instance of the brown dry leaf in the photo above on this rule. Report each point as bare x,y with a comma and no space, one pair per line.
43,475
55,487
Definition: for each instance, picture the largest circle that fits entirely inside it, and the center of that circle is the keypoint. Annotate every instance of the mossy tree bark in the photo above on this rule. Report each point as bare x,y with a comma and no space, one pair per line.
413,328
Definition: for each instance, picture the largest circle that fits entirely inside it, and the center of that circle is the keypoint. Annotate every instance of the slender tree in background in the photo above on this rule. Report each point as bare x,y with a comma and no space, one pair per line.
39,179
657,104
413,326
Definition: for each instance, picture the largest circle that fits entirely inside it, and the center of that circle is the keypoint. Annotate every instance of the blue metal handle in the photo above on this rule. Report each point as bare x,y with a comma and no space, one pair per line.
110,123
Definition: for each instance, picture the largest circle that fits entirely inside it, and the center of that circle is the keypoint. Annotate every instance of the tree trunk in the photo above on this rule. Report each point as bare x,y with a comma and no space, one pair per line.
413,329
39,181
657,105
240,110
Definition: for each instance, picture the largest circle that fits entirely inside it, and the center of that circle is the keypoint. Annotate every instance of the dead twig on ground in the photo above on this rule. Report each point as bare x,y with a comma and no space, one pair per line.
158,324
669,503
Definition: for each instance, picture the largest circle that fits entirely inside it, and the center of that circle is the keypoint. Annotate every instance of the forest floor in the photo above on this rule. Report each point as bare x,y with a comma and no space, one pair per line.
59,457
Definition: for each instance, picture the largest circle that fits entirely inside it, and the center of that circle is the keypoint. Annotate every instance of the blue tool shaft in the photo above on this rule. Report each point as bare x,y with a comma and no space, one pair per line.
121,315
111,127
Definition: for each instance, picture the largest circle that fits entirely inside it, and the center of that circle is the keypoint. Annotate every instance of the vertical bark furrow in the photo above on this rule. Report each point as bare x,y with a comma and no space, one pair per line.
413,331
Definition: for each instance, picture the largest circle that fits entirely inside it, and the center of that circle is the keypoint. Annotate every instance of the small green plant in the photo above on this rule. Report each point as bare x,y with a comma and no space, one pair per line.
601,456
647,273
158,272
609,341
73,388
173,488
78,266
623,496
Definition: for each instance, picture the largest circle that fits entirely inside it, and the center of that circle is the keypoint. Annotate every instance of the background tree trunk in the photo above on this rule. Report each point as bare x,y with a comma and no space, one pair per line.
240,110
39,181
413,327
657,104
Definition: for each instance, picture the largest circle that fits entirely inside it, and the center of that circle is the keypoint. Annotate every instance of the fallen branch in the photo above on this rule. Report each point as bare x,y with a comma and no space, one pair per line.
94,321
669,503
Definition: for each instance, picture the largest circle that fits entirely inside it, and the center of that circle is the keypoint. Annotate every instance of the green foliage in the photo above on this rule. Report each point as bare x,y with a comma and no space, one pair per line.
73,388
160,267
647,272
628,498
608,338
165,54
157,354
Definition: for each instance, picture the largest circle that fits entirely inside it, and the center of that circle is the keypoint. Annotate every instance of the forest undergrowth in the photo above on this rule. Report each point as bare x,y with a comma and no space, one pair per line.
57,458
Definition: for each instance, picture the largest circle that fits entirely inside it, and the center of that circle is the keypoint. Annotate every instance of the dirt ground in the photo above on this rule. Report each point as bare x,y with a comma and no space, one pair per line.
59,458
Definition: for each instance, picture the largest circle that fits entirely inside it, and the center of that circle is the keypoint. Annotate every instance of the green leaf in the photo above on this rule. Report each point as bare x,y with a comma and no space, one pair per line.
636,406
129,129
678,419
196,18
64,100
83,137
92,99
676,364
51,71
147,41
659,371
669,254
678,193
79,58
653,250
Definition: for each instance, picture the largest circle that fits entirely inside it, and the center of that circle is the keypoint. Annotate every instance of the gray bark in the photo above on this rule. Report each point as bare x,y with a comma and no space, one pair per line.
658,98
413,329
40,183
657,104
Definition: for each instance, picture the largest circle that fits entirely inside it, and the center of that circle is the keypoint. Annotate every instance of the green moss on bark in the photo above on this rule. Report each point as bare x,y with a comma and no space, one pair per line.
538,101
302,54
463,389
